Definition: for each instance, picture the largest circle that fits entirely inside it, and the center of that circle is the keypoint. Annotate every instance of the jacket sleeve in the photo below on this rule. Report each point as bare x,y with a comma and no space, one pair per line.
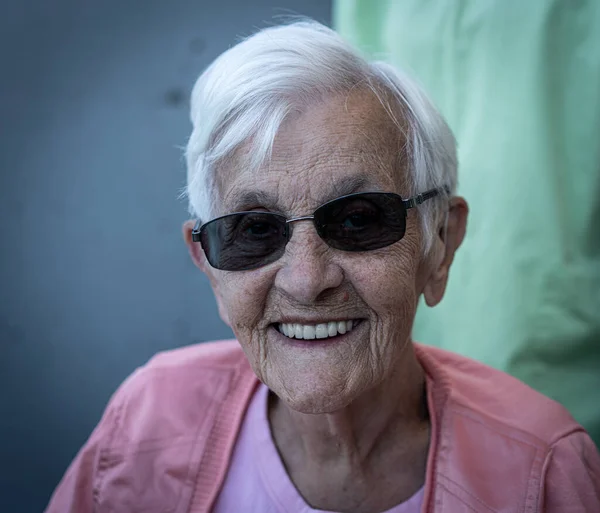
75,493
572,483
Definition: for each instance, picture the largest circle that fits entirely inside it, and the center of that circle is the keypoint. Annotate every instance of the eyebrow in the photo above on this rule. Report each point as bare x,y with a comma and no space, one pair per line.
251,199
350,185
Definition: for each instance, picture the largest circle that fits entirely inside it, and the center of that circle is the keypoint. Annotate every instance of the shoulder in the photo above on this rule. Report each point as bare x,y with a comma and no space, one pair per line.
495,400
489,427
167,412
177,391
186,376
158,424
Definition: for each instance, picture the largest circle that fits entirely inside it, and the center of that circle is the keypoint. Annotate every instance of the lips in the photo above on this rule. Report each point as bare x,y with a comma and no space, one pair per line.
316,331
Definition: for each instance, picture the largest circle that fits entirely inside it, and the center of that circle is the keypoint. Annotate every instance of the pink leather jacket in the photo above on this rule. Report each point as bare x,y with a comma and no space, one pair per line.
166,437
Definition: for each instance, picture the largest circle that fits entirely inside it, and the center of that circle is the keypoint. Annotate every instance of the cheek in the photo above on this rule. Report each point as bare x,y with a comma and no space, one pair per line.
387,283
244,297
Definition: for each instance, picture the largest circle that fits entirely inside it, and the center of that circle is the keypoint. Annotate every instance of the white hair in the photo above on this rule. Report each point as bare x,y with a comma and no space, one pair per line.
247,92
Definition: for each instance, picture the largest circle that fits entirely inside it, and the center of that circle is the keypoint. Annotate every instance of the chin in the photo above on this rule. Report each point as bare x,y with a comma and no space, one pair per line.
318,399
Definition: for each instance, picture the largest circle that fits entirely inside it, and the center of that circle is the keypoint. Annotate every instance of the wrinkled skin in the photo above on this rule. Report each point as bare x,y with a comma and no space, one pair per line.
365,394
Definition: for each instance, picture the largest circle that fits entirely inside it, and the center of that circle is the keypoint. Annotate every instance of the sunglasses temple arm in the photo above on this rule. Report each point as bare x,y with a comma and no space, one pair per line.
196,232
420,198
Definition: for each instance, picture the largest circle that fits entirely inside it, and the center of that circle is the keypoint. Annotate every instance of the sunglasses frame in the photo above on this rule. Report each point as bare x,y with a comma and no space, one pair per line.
407,204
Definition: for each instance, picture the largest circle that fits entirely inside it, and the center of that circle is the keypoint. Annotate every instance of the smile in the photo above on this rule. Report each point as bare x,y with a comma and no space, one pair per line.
316,331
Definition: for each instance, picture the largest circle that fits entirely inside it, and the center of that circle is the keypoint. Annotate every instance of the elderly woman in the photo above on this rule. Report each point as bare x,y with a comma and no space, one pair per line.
322,188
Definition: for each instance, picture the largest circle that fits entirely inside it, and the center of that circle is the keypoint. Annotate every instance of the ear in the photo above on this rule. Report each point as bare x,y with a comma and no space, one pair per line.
199,258
449,238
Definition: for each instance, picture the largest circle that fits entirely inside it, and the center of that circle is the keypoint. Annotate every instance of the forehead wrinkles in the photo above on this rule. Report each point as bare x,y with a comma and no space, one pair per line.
355,127
328,138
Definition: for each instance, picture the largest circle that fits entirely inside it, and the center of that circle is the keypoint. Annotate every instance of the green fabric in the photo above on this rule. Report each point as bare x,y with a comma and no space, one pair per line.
519,83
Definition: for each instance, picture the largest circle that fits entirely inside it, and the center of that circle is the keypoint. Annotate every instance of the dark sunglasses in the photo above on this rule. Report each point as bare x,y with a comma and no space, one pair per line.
357,222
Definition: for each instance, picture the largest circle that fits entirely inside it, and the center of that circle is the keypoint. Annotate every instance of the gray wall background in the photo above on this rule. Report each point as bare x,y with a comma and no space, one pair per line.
94,276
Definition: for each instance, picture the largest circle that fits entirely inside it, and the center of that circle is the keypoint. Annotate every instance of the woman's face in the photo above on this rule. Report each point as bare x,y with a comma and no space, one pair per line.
317,156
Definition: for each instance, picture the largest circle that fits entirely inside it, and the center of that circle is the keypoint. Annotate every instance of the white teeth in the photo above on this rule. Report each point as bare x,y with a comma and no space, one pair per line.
312,331
309,332
332,329
321,331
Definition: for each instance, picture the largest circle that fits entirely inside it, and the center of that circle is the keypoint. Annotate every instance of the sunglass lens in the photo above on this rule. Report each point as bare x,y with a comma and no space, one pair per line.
362,222
244,241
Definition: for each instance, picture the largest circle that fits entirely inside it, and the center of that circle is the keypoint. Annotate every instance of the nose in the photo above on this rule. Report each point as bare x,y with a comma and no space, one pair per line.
308,268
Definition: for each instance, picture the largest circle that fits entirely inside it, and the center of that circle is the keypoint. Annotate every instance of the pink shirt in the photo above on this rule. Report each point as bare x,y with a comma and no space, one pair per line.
257,481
